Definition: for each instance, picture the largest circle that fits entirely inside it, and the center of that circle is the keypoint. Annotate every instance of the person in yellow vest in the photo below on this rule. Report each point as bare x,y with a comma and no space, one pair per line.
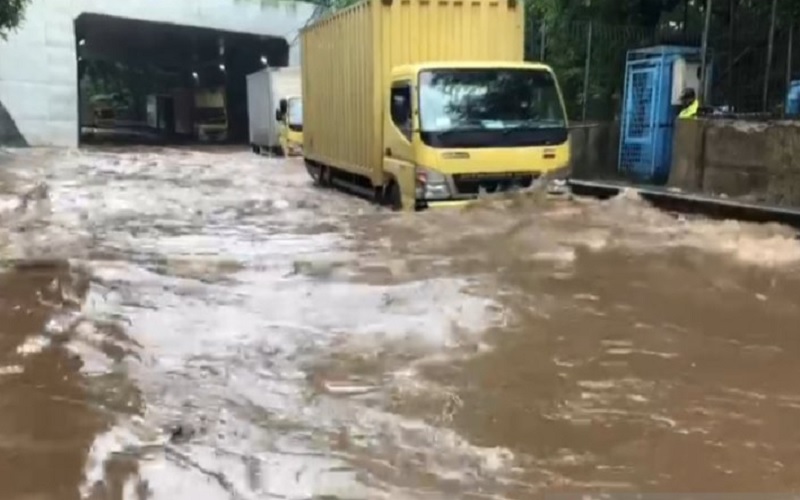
689,104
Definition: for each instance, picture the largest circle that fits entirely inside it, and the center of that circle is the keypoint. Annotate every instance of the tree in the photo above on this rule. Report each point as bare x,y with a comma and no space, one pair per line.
11,15
558,33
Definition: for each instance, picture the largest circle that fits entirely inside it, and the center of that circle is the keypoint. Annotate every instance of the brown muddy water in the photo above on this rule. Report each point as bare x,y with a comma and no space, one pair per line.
205,324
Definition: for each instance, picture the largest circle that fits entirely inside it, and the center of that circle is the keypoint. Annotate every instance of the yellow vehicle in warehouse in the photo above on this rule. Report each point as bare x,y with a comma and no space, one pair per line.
419,103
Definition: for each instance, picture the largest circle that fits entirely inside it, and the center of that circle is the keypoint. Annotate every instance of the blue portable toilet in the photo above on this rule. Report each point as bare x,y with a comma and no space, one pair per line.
793,99
654,79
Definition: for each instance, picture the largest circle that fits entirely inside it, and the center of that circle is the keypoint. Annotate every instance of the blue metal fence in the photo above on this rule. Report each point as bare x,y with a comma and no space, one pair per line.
648,117
793,99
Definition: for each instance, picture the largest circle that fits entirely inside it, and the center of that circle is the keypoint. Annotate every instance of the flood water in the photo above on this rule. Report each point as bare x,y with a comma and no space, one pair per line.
205,324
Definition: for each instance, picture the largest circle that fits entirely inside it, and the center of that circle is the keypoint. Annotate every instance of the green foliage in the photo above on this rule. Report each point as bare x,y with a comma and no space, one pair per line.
11,15
738,41
557,33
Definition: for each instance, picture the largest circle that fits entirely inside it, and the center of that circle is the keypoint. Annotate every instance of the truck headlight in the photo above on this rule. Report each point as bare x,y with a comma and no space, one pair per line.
431,185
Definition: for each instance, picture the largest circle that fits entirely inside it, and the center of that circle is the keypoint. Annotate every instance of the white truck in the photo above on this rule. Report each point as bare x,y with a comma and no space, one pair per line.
268,91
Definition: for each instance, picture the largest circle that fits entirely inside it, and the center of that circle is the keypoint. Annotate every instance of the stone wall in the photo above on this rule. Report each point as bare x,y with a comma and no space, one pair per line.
756,161
594,150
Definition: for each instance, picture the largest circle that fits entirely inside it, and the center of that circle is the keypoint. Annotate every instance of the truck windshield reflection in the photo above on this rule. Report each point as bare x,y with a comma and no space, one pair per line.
489,107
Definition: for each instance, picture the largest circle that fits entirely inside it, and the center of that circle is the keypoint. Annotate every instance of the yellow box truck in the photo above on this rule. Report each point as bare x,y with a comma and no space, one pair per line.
428,102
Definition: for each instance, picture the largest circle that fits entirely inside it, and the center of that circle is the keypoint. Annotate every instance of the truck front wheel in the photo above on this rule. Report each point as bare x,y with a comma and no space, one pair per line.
394,198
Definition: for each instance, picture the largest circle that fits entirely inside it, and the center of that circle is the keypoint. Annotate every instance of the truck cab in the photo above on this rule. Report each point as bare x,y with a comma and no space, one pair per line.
290,125
454,131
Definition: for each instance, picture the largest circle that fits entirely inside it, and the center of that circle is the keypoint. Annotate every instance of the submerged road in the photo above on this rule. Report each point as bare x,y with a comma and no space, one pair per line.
205,324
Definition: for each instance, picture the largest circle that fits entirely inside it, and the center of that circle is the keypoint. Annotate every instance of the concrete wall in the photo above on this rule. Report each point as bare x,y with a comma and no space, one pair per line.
9,133
753,161
595,150
38,73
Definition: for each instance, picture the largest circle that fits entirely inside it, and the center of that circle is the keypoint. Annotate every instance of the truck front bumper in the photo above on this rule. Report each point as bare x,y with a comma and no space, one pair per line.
212,134
464,189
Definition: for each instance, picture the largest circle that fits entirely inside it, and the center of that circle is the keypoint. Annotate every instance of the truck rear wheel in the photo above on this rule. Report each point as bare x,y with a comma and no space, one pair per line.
325,176
320,174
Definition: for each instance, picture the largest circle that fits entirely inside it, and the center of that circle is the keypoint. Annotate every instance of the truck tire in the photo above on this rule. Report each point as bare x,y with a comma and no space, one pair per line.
325,176
394,198
320,174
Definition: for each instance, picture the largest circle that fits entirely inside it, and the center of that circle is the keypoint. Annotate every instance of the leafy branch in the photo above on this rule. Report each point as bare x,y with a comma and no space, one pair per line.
12,13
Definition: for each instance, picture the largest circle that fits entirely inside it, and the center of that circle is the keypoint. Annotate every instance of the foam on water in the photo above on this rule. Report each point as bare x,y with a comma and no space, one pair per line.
554,230
228,301
188,330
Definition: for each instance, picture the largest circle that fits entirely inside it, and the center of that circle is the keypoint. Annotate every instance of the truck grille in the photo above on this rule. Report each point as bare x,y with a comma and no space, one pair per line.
472,184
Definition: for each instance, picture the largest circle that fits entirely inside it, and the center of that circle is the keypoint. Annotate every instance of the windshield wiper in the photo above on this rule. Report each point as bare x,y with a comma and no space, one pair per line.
536,125
454,130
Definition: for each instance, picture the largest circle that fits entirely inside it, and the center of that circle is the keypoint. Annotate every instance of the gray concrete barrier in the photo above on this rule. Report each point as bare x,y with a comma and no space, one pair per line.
594,150
755,161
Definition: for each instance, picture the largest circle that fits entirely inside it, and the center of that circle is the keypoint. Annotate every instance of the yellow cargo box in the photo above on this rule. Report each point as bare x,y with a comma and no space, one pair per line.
351,63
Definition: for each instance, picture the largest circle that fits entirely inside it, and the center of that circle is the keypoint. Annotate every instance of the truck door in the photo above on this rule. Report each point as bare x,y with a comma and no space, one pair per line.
398,154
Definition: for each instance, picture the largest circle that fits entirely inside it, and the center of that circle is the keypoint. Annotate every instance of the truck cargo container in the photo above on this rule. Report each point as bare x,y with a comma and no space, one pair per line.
420,103
274,110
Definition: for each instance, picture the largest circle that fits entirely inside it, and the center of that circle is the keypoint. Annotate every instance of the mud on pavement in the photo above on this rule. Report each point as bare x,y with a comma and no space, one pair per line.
205,324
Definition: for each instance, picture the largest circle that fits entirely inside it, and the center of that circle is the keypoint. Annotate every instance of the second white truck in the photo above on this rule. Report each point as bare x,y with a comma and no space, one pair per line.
268,93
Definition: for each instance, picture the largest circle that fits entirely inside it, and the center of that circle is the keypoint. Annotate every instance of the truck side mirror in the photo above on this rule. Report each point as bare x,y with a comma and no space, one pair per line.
278,115
283,106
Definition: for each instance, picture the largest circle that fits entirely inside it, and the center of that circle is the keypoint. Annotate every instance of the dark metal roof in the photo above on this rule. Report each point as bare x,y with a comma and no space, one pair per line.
170,46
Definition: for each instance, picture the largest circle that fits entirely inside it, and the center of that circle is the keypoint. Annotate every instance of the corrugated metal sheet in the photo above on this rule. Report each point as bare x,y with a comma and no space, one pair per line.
260,110
347,59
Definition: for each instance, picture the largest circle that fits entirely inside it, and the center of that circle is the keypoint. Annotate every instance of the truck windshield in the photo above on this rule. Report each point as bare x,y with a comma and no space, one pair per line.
490,108
295,113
